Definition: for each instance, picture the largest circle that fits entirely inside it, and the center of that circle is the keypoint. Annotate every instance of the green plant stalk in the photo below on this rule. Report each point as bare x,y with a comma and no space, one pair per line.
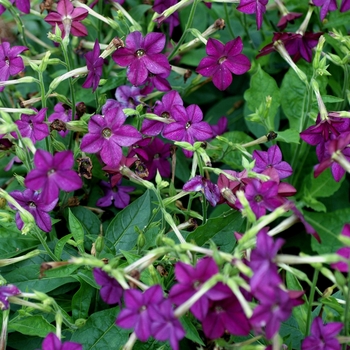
44,244
228,21
204,200
20,26
311,299
347,309
343,104
183,36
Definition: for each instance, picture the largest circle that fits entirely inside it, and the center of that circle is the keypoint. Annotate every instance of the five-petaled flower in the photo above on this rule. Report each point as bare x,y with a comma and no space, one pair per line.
52,173
223,60
117,194
142,56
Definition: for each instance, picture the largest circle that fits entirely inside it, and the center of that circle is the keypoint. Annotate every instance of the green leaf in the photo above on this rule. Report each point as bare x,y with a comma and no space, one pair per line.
89,220
191,331
328,227
220,230
77,230
32,325
291,328
121,231
60,245
100,332
314,203
81,300
289,136
331,99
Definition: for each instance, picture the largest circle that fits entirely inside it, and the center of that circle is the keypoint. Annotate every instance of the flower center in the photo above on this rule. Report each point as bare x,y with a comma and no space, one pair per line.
156,156
7,61
258,198
140,53
32,204
50,172
107,133
222,59
165,115
188,124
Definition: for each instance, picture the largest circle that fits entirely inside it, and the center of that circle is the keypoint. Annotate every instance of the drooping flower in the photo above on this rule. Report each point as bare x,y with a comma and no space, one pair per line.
323,336
22,5
10,62
138,310
52,173
161,5
118,195
52,342
33,126
142,55
68,19
327,5
32,202
107,135
343,266
61,113
223,60
128,96
201,184
188,126
254,6
111,291
5,292
94,64
165,326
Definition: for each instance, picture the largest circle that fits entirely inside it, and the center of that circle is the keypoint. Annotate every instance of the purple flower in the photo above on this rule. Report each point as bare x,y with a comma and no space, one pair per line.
190,279
68,19
139,309
115,172
33,126
107,134
111,291
220,127
32,202
198,183
322,336
272,159
288,17
5,292
62,113
188,126
52,173
128,96
254,6
116,194
52,342
223,60
327,5
343,266
165,326
345,6
142,56
164,109
22,5
10,63
157,81
160,6
94,64
226,314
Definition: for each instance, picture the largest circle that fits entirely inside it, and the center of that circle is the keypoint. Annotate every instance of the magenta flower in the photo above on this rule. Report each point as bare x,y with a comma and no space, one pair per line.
142,56
345,6
128,96
94,64
188,126
10,63
52,173
160,6
201,184
271,160
157,81
22,5
226,314
107,135
115,172
343,266
5,292
223,60
52,342
111,291
165,326
220,127
33,126
139,308
118,195
63,113
68,19
254,6
164,109
33,202
322,336
288,17
327,5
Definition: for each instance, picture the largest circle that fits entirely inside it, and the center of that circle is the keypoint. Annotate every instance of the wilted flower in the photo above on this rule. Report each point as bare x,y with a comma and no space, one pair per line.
254,6
118,195
5,292
63,113
111,291
52,342
223,60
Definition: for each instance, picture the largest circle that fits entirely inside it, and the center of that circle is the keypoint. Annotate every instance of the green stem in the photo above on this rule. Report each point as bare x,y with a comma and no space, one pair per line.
311,300
20,27
228,21
44,244
347,310
345,87
183,36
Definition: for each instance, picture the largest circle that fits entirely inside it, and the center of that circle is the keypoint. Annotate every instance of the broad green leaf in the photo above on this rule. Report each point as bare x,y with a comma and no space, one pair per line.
328,227
331,99
81,300
100,332
289,136
32,325
121,231
77,230
220,230
290,329
61,243
313,203
89,220
191,331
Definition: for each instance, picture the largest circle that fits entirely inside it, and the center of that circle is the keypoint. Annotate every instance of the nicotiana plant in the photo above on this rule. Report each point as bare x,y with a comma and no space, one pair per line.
174,174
